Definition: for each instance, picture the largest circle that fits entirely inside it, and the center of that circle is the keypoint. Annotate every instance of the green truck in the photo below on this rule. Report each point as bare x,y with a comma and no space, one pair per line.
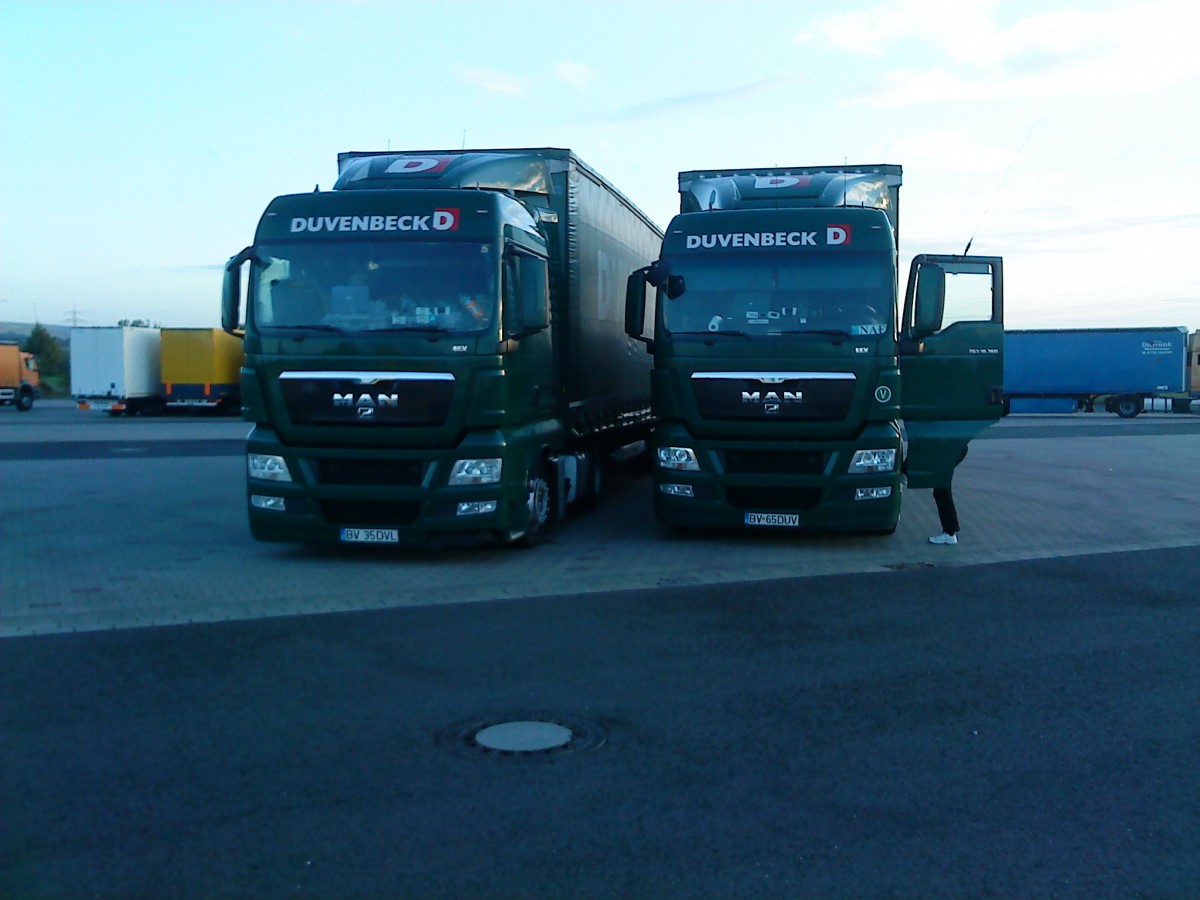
435,349
790,387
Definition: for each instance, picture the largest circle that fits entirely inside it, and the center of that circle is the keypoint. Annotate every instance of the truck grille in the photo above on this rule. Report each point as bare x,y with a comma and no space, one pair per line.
371,472
761,498
773,462
787,396
365,399
369,513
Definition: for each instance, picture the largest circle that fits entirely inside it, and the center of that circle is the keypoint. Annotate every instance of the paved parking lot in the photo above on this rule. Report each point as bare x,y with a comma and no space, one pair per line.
126,523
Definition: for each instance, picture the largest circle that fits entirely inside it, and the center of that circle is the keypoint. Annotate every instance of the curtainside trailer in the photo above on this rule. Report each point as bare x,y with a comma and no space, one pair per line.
1128,370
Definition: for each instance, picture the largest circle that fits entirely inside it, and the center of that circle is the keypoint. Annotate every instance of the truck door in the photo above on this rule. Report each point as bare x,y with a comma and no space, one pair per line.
951,360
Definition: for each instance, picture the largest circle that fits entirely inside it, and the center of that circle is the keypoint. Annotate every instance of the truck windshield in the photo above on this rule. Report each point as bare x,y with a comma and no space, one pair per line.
361,286
766,293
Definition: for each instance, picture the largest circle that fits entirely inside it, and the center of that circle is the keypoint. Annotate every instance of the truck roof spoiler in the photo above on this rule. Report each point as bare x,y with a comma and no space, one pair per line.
873,186
517,172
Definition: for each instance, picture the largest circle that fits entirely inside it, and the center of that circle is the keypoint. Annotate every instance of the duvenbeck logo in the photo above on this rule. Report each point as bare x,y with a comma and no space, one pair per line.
438,220
835,236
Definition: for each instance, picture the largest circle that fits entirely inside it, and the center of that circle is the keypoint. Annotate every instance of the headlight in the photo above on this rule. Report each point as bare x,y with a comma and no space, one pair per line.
873,461
476,471
266,467
681,459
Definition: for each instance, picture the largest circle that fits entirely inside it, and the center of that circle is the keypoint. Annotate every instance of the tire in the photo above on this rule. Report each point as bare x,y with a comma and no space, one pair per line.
539,504
24,401
1128,407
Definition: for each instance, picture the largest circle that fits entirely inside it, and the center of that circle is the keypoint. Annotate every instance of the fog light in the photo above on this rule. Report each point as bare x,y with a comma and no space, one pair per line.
476,507
879,493
872,461
259,501
676,490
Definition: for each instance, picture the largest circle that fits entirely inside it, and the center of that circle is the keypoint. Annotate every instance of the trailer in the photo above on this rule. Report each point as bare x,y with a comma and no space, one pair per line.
117,369
201,369
1127,370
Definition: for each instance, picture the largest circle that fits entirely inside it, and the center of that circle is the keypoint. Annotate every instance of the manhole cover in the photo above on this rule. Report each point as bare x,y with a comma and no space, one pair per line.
522,736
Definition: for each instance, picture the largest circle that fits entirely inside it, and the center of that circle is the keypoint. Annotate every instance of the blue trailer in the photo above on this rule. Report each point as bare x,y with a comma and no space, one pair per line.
1125,366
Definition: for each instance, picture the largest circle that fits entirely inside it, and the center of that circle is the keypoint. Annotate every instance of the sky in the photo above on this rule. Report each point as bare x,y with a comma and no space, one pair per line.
141,141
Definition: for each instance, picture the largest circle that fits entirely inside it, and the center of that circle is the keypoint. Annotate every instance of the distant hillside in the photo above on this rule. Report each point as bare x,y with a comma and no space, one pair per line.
18,331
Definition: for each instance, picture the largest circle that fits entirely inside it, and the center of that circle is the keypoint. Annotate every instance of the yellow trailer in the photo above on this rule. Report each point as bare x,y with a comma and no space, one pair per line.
201,367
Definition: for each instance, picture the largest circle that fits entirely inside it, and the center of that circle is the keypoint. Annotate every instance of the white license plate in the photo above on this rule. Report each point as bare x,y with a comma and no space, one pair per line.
779,520
370,536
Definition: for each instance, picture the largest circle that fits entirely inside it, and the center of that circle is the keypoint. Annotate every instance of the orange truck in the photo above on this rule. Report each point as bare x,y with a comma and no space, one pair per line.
19,381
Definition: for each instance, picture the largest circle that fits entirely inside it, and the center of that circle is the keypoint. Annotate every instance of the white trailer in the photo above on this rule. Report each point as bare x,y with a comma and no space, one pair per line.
117,369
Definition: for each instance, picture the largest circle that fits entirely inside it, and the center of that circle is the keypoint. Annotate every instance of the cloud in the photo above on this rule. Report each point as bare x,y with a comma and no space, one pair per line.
1062,53
701,98
952,151
575,74
493,81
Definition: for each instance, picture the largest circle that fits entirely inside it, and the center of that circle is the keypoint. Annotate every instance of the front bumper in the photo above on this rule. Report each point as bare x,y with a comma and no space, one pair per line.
778,485
385,489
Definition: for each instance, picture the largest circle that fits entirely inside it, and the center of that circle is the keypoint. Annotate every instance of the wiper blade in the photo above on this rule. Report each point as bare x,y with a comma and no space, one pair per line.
331,328
724,332
426,329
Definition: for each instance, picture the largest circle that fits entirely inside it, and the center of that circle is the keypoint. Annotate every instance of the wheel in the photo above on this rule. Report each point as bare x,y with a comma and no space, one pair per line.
1128,407
538,504
25,401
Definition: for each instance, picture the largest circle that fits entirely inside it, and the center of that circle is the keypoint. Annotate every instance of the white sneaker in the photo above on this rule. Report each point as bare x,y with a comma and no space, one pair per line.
944,538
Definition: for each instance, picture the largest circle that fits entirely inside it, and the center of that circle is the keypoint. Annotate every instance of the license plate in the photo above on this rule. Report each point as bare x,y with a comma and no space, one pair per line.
370,536
779,520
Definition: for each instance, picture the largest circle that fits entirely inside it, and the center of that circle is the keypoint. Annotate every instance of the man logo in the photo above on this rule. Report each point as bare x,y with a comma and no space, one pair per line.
366,401
775,397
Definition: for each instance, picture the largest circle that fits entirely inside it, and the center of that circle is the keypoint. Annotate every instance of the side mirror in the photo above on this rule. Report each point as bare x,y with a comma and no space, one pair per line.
535,295
675,286
526,296
231,291
635,302
930,300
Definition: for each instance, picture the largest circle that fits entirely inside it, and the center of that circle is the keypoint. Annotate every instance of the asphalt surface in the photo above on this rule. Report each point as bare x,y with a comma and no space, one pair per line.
1018,716
1015,730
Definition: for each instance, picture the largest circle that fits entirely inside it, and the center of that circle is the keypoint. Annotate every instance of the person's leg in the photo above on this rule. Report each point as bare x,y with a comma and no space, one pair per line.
946,511
948,516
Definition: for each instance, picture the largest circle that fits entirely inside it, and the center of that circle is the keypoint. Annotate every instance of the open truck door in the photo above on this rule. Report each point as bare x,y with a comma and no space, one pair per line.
951,360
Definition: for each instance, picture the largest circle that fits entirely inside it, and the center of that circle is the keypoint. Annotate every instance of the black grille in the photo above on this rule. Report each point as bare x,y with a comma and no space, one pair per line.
773,462
343,401
369,513
371,472
763,498
795,399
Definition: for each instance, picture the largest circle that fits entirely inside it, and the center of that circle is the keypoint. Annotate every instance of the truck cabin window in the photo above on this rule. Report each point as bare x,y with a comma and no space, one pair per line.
968,294
361,286
775,294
